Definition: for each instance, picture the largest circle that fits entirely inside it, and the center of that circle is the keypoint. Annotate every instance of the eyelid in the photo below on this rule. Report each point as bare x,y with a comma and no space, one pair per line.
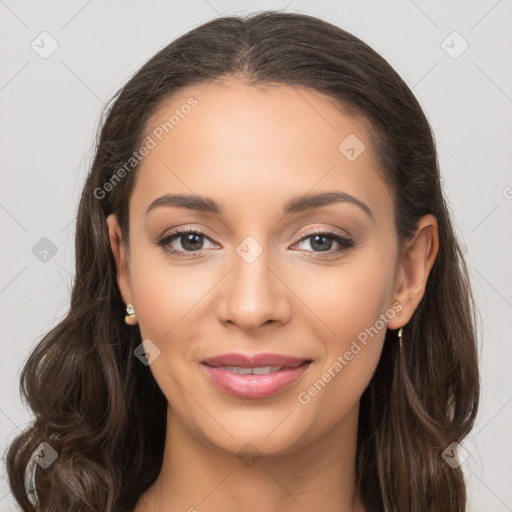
187,227
297,238
340,237
322,230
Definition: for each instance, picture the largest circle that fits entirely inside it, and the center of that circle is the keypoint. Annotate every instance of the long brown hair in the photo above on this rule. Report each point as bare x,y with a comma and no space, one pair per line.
101,410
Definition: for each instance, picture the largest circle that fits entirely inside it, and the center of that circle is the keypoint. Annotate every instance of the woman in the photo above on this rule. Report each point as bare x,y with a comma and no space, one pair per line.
271,309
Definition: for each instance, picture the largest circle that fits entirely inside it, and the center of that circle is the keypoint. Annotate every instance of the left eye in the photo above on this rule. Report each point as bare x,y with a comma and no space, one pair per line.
318,239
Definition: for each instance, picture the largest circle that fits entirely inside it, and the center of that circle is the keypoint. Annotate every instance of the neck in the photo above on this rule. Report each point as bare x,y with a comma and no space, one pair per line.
199,477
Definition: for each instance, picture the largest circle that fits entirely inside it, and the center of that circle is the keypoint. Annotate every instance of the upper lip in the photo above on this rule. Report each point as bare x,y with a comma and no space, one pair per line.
254,360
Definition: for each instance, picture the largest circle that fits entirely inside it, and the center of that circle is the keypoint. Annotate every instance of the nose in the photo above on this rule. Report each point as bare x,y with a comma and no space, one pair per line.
254,293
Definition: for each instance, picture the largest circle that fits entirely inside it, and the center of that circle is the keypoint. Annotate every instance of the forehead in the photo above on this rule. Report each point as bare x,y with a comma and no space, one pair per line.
240,143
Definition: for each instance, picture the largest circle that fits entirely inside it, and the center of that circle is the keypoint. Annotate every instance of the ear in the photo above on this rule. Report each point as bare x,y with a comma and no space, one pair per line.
414,267
119,251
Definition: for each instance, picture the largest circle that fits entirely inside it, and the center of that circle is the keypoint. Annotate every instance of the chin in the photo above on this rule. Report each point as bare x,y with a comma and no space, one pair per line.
271,433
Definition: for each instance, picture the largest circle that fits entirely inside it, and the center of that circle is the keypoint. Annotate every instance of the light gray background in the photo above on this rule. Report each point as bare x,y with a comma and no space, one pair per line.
50,109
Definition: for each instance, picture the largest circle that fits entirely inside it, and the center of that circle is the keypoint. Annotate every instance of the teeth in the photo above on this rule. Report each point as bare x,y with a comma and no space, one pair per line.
241,371
265,369
256,371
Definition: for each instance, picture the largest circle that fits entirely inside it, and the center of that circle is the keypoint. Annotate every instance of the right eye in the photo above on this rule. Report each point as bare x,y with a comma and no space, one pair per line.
189,239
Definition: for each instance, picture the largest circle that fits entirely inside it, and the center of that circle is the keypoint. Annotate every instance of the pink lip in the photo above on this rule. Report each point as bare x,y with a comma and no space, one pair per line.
254,360
254,386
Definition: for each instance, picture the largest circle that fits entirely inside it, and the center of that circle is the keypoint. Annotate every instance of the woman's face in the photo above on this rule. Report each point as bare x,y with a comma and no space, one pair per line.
263,272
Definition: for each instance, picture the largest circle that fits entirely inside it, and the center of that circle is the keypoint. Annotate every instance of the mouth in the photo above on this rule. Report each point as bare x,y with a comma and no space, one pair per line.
254,376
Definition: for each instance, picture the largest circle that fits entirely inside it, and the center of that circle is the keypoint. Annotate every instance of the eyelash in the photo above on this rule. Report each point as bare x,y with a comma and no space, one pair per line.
346,243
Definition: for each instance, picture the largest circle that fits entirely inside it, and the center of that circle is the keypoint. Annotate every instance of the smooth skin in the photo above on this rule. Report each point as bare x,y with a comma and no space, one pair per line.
251,149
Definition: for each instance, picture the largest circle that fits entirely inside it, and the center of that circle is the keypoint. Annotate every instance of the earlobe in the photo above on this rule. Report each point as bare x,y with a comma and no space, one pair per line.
417,260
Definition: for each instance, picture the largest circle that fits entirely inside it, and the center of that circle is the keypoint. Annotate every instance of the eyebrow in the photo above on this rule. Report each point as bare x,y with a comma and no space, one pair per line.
294,205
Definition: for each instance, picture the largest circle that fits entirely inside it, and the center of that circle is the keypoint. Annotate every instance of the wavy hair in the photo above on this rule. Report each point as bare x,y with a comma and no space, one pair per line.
103,412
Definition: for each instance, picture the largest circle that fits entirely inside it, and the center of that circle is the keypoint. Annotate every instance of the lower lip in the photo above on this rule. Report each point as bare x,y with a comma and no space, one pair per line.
254,386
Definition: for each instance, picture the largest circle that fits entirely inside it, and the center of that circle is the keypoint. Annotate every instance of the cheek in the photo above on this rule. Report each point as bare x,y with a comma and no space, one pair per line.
166,295
349,298
168,299
337,302
354,304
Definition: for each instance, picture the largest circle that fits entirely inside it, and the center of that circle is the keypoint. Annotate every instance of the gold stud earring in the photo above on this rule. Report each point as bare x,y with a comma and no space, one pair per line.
130,315
400,331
